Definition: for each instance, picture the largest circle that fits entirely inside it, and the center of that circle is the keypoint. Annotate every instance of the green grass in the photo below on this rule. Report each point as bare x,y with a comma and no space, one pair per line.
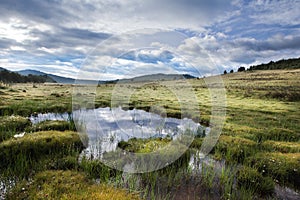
284,168
40,150
261,131
52,125
250,179
11,125
67,185
144,145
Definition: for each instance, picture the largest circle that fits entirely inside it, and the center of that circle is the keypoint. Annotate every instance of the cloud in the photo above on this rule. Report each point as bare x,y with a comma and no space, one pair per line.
217,33
276,12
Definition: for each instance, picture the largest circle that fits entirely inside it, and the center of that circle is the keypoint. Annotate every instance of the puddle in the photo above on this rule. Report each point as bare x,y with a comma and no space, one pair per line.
6,186
286,193
106,127
35,119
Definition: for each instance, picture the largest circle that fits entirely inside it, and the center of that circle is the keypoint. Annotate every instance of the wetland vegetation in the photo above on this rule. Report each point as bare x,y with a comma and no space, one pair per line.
257,152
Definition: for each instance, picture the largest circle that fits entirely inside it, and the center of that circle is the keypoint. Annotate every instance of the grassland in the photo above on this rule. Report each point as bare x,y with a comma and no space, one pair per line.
261,132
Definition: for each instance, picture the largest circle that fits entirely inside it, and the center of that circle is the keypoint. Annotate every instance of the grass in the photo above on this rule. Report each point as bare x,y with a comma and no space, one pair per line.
25,99
144,145
250,179
67,185
260,134
284,168
37,151
52,125
11,125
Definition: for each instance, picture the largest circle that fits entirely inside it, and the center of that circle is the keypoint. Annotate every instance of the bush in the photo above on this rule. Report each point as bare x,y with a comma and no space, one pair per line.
241,69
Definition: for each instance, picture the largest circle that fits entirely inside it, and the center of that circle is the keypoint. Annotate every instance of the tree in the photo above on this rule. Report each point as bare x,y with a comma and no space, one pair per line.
231,71
225,72
241,69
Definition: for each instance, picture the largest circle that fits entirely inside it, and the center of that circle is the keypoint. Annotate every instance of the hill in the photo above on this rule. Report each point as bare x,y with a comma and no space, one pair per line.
13,77
293,63
156,77
2,69
58,79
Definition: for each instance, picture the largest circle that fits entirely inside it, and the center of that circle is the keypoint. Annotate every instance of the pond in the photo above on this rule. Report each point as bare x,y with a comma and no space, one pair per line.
102,129
106,127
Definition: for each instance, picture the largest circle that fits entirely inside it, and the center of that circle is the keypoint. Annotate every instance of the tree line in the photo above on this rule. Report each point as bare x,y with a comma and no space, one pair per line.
292,63
13,77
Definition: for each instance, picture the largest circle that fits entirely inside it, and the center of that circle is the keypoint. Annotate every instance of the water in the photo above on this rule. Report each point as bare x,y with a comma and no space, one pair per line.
106,127
35,119
5,186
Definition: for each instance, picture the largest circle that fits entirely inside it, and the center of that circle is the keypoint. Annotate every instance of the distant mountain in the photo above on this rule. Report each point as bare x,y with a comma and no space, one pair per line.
146,78
293,63
156,77
2,69
7,76
58,79
26,72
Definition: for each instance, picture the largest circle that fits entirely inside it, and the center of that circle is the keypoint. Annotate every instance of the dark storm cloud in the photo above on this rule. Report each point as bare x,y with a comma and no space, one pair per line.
6,43
39,10
70,37
274,43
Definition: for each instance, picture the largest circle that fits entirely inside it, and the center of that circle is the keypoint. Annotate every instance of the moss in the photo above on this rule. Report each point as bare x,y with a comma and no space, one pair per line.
66,185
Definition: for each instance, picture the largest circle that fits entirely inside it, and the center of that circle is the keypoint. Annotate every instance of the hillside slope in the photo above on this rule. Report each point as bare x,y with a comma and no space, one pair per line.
293,63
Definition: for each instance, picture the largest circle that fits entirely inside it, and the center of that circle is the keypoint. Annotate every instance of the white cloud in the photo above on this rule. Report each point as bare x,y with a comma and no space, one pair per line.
276,12
218,33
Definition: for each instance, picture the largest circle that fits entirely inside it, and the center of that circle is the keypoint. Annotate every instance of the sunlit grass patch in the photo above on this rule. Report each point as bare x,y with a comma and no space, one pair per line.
250,179
52,125
144,145
234,149
10,125
67,185
284,168
283,147
20,156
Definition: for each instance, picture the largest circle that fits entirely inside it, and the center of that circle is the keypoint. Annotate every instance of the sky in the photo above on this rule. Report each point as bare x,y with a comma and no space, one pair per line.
108,39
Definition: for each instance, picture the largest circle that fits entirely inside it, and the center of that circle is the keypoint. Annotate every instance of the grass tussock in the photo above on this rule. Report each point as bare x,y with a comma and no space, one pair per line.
144,145
20,156
67,185
250,179
10,125
56,125
284,168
